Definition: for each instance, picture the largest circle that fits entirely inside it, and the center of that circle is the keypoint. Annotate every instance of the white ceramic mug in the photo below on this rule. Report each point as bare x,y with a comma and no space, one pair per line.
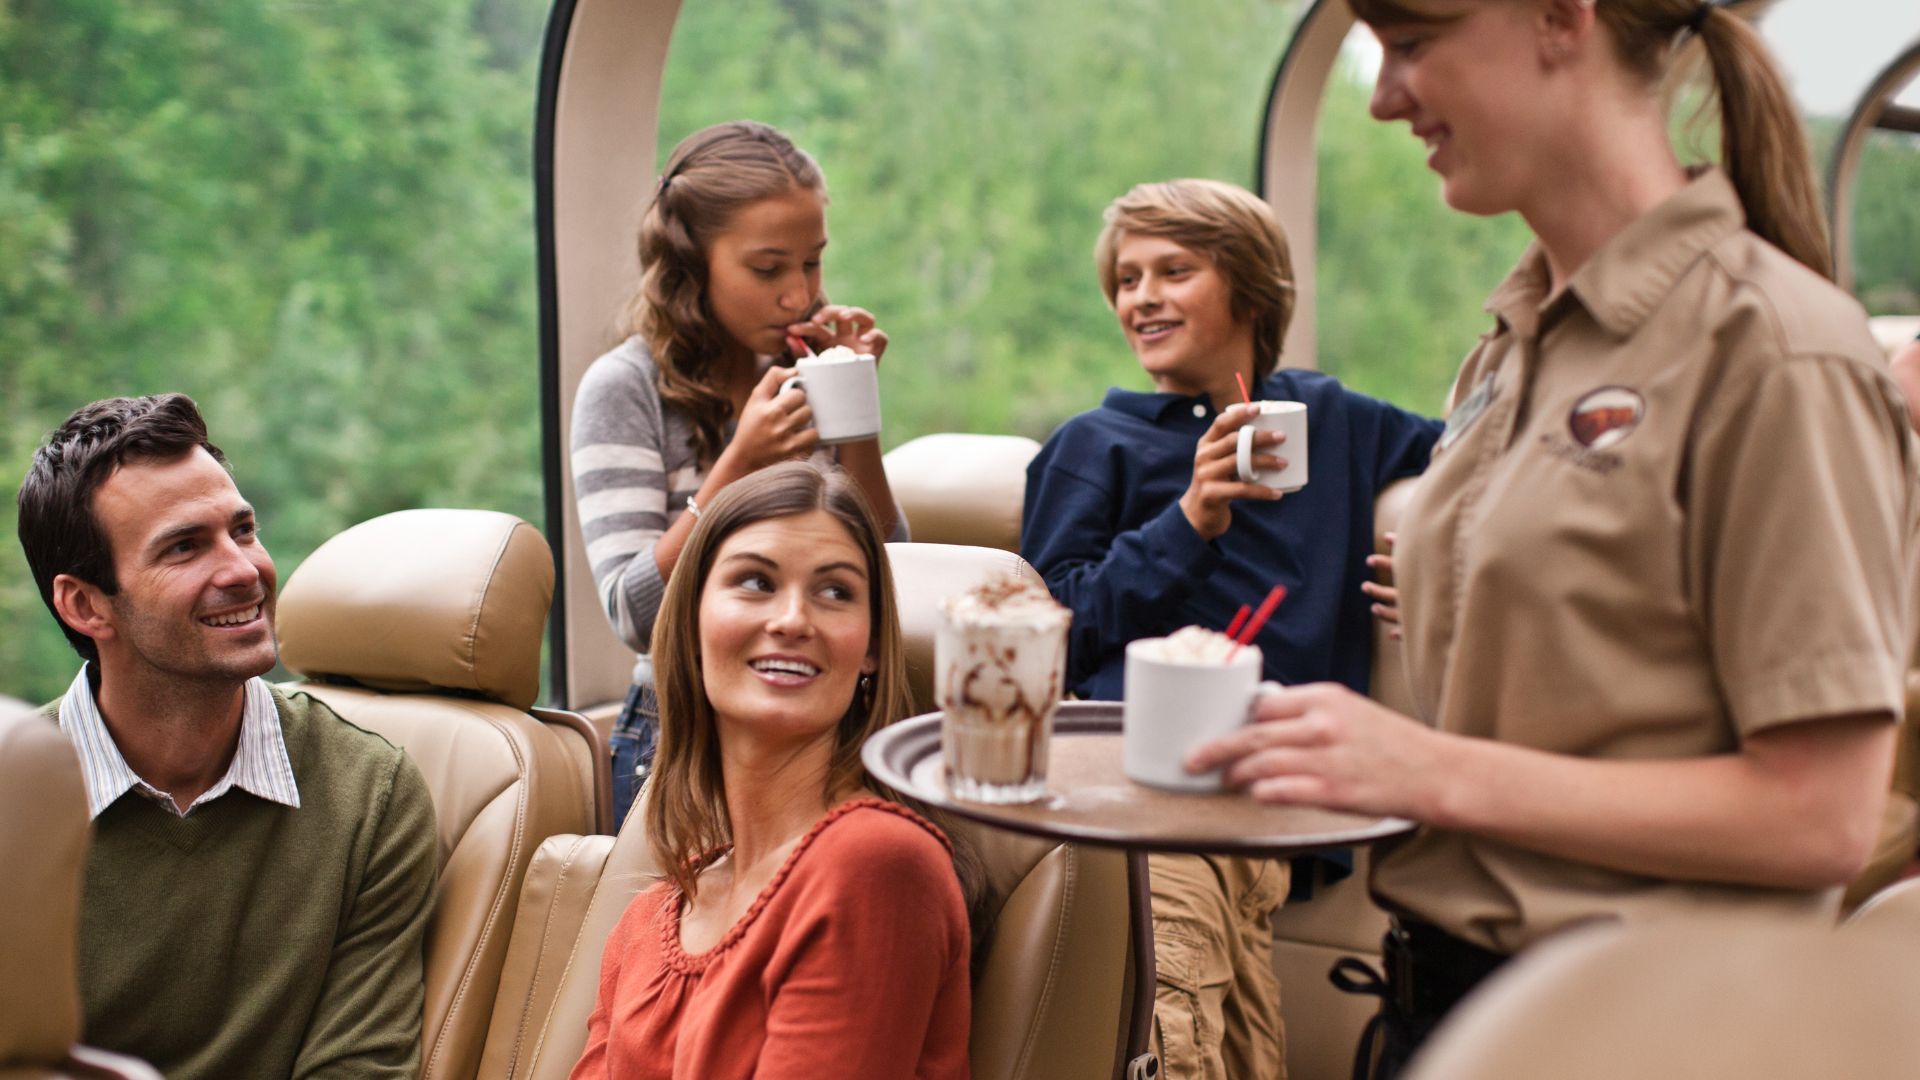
844,391
1287,416
1173,706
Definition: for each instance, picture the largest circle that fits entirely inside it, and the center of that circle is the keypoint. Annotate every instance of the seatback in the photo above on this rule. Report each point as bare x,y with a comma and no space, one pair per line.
1051,993
43,848
1707,999
962,489
1323,1024
424,627
1052,996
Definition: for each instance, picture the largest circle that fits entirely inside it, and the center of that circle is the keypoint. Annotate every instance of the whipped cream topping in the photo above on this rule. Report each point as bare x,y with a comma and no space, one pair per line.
1006,599
1190,645
838,354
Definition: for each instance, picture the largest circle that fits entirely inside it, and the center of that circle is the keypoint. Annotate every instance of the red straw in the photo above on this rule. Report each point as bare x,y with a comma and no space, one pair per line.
799,345
1244,396
1277,594
1239,619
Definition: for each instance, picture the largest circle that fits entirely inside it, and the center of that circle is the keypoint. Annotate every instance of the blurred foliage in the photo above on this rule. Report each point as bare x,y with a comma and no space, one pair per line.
969,150
316,218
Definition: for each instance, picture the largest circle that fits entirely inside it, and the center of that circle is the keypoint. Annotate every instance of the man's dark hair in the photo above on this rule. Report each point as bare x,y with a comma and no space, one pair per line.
57,524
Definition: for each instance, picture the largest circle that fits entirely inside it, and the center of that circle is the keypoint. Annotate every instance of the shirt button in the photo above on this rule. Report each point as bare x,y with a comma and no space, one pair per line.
1199,410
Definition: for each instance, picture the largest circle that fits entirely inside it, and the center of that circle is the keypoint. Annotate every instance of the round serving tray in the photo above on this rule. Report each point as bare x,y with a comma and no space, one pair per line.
1091,800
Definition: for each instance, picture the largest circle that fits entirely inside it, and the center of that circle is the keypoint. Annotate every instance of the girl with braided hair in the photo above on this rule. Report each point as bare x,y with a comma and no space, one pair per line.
730,250
1652,584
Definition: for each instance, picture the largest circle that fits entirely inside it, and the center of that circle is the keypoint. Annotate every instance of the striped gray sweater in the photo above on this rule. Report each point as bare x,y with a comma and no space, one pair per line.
633,471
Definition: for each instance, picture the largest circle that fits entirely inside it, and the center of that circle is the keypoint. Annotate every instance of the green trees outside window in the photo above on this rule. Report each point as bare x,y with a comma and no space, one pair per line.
317,219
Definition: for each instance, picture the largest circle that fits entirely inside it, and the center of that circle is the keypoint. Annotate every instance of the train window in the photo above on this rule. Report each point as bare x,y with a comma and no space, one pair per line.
969,149
1402,279
1833,54
314,218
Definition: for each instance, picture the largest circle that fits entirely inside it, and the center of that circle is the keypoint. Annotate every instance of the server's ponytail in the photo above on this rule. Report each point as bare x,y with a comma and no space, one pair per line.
1763,146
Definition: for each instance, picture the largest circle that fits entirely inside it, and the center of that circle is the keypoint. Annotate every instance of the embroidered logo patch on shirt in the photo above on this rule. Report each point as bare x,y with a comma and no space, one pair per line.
1605,417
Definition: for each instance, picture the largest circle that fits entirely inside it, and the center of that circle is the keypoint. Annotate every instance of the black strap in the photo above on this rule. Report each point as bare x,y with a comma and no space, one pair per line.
1352,975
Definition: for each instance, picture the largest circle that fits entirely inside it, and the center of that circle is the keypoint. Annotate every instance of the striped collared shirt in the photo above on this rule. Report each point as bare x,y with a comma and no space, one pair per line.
260,765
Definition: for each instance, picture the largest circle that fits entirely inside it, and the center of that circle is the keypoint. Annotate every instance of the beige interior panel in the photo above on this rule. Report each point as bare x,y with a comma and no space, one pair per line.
1291,165
605,125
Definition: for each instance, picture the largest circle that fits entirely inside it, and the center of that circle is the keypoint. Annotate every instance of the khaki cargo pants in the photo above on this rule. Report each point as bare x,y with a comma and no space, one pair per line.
1216,1008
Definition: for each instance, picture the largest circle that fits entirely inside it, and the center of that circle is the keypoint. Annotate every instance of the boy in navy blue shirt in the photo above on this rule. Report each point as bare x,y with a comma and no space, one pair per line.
1138,522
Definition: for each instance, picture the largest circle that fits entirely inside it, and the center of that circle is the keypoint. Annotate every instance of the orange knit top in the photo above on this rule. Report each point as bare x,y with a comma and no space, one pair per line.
852,962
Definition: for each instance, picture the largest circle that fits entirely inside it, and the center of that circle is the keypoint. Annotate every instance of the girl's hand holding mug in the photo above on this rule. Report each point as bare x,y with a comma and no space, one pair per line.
774,426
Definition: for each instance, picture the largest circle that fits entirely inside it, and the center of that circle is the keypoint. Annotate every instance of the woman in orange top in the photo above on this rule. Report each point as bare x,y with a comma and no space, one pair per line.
807,925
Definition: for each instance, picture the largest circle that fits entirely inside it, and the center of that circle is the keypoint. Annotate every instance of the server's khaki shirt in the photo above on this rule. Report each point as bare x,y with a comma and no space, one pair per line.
1674,506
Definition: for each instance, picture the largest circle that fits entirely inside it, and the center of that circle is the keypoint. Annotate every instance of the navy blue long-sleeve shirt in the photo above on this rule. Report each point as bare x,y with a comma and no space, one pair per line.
1102,525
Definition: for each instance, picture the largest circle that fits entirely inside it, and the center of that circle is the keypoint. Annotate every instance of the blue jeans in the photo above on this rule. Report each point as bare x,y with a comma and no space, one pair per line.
635,737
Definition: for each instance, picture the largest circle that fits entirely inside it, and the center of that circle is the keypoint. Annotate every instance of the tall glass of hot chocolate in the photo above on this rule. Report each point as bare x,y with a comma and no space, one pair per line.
1000,665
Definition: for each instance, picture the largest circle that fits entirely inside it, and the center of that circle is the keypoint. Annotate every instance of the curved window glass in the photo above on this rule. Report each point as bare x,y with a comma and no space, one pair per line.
1403,279
313,218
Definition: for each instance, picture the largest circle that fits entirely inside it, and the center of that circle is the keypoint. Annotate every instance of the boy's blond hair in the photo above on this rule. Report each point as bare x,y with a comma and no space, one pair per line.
1228,225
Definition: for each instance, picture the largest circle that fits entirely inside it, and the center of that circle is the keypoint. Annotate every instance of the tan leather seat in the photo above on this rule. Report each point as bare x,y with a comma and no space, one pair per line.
424,626
962,489
1323,1024
43,847
1051,996
1712,999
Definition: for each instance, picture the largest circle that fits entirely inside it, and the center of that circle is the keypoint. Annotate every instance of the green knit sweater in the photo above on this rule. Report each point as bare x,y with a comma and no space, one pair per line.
250,939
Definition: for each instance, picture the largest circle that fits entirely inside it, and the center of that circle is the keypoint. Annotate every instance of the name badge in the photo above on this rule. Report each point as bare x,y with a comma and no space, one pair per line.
1464,414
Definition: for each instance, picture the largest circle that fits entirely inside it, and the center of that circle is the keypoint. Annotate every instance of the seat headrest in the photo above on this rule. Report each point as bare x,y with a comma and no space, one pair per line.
424,600
43,845
962,489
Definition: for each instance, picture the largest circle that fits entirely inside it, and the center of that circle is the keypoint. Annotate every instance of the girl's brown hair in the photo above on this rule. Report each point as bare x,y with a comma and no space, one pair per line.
686,806
1763,146
1230,226
709,178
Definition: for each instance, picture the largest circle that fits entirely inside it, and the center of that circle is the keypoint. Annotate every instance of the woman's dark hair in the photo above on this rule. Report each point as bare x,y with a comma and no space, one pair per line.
711,176
58,528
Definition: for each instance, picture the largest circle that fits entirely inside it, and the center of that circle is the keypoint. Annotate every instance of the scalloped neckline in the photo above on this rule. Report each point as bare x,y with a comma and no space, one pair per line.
679,959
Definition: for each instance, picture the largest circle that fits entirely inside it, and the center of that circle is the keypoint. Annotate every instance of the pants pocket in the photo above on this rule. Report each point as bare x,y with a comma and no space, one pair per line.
1191,982
636,735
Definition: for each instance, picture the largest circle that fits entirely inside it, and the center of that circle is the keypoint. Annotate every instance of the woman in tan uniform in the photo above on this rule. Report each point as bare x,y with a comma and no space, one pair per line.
1652,582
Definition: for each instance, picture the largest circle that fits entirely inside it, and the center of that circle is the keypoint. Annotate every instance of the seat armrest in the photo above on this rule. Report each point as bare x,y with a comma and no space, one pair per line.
588,749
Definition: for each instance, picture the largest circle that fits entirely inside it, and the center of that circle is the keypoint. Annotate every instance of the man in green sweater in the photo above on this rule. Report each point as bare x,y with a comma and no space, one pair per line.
262,872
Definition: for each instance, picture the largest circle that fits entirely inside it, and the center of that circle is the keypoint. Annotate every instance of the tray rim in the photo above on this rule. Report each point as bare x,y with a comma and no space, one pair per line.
892,753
